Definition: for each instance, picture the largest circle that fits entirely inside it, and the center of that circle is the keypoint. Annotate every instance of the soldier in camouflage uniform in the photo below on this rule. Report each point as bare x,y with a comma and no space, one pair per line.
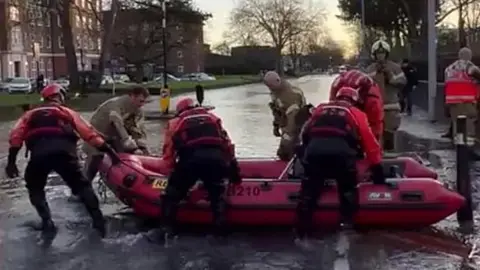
120,120
290,112
391,79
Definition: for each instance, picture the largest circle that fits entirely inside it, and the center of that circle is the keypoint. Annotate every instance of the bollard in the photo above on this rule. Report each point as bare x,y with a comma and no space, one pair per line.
464,186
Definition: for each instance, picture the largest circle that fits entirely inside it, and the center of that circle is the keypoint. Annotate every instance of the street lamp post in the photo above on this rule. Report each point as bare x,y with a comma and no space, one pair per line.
82,63
432,58
165,92
164,42
364,52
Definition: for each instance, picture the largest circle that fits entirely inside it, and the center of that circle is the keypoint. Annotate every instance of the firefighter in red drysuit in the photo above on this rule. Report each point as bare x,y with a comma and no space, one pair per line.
198,148
461,91
334,137
50,132
370,102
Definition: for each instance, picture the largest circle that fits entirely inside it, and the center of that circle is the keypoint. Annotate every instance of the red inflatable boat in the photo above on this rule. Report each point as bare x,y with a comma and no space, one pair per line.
269,193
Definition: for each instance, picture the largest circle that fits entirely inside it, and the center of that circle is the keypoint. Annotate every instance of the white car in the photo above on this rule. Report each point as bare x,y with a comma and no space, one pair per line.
63,82
19,85
170,77
200,76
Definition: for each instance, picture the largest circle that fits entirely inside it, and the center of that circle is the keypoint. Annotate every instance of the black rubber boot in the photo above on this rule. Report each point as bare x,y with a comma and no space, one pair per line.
348,208
168,219
90,200
219,217
40,204
388,141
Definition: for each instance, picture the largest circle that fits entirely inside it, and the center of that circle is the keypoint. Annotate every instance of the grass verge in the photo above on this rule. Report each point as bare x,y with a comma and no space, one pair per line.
10,104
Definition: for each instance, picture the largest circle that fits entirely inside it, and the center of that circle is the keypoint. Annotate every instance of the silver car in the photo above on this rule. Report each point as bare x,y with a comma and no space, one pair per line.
19,85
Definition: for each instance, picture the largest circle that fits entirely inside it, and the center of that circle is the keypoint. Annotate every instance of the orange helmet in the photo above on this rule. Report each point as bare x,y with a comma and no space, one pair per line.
348,93
53,89
184,104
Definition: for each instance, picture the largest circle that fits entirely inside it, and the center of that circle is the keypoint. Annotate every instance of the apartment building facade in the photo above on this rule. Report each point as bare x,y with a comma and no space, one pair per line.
138,35
29,24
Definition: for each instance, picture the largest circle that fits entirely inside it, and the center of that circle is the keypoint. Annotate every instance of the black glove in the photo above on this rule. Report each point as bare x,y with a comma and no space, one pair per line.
276,131
378,177
12,170
110,152
235,177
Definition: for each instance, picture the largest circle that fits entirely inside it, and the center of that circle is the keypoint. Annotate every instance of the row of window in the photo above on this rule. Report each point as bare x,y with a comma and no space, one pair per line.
45,41
41,17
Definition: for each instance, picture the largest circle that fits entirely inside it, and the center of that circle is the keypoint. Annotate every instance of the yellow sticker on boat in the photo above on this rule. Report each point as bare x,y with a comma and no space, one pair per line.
160,183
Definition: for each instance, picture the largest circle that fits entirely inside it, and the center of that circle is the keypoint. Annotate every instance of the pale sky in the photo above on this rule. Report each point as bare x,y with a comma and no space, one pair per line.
220,11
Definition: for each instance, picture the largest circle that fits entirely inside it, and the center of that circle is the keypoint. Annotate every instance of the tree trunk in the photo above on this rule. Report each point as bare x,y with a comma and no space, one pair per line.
68,43
108,27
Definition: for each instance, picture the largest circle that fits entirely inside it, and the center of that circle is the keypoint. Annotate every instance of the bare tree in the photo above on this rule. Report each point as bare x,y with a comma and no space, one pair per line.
472,22
222,48
275,22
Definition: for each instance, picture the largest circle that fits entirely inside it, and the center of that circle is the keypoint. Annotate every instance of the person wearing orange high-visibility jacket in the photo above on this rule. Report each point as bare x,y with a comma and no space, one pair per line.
461,91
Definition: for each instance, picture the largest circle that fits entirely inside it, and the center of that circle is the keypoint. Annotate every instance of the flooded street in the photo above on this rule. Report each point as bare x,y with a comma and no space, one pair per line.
248,120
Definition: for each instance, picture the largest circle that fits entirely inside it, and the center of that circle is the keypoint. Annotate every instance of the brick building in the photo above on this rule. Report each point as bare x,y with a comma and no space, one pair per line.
137,42
25,22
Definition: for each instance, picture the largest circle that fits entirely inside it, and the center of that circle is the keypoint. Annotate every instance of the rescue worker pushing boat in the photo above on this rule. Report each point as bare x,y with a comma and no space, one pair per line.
335,136
50,134
370,102
197,147
391,80
121,121
290,112
461,91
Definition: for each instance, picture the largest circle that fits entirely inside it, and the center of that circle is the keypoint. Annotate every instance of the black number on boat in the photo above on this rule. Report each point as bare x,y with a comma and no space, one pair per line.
243,191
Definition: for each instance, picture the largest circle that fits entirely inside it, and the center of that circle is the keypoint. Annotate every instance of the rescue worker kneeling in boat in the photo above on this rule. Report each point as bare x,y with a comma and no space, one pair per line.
197,147
50,133
333,139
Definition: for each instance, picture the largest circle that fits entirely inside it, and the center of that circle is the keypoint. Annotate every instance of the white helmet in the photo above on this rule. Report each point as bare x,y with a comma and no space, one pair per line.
380,45
272,79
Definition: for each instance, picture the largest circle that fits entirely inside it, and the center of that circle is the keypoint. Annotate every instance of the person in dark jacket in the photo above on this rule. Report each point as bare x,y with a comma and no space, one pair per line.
199,93
412,82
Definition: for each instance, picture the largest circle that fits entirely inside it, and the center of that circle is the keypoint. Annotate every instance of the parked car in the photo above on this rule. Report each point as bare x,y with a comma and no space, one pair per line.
107,79
199,76
19,85
121,78
170,77
65,83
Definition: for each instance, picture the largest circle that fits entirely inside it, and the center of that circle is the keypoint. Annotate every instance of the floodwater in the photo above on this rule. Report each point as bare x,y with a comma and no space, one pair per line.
248,119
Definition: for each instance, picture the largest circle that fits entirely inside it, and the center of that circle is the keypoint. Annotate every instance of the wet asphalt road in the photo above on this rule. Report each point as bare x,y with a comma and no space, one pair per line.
248,120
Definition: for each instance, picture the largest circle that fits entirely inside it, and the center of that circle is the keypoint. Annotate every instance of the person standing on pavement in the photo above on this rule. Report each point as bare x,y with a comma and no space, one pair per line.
412,82
121,121
290,111
391,79
461,91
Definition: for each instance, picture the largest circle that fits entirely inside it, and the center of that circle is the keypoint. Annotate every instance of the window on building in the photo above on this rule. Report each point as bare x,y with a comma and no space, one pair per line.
78,21
60,42
47,18
179,54
14,14
98,4
39,16
48,42
99,44
180,39
16,35
59,21
180,69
